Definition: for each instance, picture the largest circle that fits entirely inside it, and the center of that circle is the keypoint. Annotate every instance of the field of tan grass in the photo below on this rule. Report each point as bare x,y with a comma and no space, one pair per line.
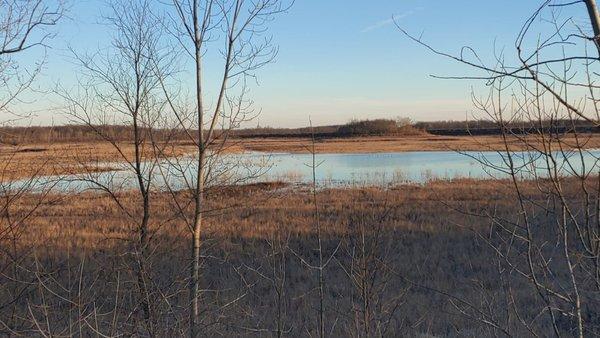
68,158
82,221
425,142
426,234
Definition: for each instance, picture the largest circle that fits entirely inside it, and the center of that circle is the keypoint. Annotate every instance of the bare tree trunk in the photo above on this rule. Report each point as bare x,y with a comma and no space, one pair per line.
197,231
143,230
320,268
199,193
595,21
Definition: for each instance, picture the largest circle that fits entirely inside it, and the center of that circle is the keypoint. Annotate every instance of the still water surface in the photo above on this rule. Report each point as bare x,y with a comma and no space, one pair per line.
341,169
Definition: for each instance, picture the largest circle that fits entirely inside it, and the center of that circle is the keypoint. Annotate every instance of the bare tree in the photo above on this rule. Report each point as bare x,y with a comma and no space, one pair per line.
547,252
23,25
122,85
240,26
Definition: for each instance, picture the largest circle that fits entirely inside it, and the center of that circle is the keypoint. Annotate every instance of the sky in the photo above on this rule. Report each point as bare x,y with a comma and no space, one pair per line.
337,59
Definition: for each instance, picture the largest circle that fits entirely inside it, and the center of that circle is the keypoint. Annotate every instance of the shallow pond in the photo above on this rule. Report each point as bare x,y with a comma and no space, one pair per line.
337,169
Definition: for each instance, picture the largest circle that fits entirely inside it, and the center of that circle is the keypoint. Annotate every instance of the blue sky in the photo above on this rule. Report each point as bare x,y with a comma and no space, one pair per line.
341,59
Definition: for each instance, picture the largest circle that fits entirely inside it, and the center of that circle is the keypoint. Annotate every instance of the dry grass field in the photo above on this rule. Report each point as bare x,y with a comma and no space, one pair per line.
256,211
424,142
414,238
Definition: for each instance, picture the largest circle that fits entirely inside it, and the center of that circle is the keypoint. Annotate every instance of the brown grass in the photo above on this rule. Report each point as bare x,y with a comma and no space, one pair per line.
429,242
67,158
87,220
378,144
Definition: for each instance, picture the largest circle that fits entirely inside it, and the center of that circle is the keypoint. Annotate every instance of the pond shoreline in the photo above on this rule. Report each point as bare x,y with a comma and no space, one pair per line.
72,158
342,170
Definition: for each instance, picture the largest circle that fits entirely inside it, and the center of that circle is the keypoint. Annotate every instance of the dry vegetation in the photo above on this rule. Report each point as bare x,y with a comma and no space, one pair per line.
379,144
68,158
277,205
412,231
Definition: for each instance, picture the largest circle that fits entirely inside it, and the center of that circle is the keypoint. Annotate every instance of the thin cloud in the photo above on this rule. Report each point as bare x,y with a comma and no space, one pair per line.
391,20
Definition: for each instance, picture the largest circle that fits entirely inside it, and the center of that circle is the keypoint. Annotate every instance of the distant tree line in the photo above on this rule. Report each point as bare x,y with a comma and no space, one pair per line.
378,127
75,133
375,127
84,133
490,127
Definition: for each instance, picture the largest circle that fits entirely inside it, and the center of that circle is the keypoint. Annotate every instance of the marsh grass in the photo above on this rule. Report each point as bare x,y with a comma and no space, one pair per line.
429,232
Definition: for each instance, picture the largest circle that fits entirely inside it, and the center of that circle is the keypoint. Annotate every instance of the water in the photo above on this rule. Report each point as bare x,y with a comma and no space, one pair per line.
380,169
423,166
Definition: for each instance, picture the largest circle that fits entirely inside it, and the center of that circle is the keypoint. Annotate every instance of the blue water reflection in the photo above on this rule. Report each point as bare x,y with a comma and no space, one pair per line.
340,169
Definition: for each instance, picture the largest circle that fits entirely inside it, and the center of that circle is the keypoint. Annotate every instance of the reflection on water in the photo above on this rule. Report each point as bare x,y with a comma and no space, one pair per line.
419,167
339,169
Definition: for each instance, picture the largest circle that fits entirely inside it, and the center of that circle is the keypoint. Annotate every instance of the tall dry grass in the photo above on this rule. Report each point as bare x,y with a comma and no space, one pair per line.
423,245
